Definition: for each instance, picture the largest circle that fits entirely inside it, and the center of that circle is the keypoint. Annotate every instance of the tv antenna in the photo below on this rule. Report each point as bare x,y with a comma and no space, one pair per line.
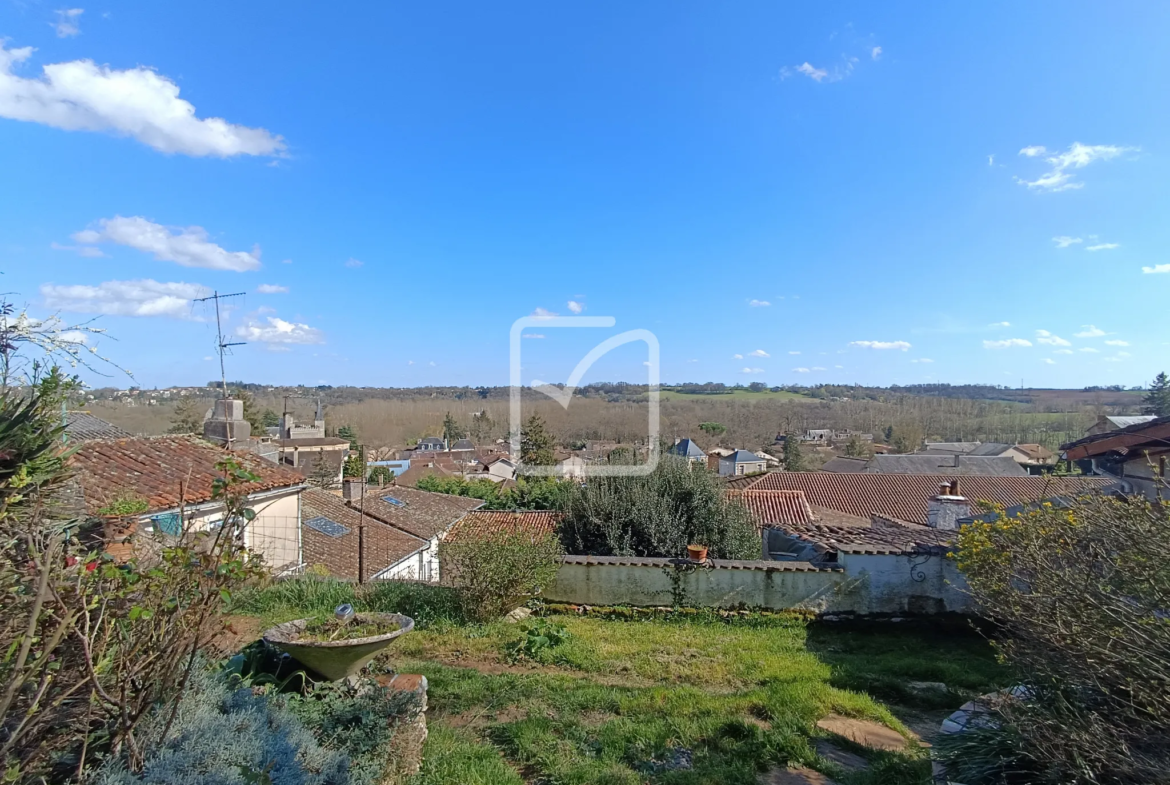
220,344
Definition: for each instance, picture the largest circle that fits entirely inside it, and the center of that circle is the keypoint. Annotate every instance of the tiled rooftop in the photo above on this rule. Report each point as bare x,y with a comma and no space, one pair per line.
905,496
772,507
882,536
80,426
164,470
420,513
384,545
481,523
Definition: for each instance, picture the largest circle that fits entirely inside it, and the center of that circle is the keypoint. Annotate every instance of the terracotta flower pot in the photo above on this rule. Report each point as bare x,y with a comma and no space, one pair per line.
697,552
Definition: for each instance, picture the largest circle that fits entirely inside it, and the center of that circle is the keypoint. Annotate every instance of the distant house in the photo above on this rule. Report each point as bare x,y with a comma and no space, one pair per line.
1023,454
478,524
741,462
1115,422
958,465
497,468
572,466
427,516
686,448
845,465
430,444
309,453
290,430
463,446
1135,457
176,474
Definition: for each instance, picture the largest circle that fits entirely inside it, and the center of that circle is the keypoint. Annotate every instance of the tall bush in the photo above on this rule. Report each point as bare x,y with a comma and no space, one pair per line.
1082,595
496,572
658,514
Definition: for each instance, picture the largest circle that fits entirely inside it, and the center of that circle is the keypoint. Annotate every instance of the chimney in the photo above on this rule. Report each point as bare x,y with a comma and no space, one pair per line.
227,426
352,488
944,510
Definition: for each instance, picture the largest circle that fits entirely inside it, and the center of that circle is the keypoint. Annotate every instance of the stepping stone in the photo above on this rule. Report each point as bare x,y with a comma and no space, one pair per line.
864,732
846,760
794,775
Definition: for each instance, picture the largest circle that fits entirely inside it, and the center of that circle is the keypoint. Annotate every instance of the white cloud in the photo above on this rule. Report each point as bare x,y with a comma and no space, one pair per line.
187,246
759,303
794,352
817,368
286,261
1102,247
752,370
126,298
692,361
1159,268
1114,359
1000,324
276,330
900,345
432,363
1091,331
1088,349
838,366
1064,241
74,336
81,250
82,96
759,353
1063,351
575,306
1047,338
737,356
800,370
1049,361
68,22
991,160
542,313
271,288
922,360
353,263
532,335
1078,156
1117,343
816,74
875,53
1006,343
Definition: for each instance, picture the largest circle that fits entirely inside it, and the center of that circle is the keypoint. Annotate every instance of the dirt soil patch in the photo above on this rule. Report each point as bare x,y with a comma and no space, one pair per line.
864,732
794,775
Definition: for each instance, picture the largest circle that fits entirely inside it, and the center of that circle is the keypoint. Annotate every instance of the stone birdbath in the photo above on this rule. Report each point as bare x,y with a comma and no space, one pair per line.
339,655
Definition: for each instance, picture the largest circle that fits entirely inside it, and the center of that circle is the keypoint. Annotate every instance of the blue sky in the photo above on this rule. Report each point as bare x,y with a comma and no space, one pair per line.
889,193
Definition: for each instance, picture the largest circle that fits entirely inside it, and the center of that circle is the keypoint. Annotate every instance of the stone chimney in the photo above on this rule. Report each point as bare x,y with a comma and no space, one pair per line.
227,426
944,510
352,488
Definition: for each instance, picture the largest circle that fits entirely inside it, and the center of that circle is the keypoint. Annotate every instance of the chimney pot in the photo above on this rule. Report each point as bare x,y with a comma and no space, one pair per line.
351,488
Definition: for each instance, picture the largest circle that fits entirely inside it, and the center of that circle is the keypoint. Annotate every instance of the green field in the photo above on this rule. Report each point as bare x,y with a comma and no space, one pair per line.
667,394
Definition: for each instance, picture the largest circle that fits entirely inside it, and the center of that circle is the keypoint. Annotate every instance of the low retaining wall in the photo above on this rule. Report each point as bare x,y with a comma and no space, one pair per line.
860,583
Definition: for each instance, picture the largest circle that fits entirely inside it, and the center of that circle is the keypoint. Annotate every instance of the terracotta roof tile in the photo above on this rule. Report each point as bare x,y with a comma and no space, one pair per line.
165,469
483,523
421,513
905,496
384,545
772,507
881,537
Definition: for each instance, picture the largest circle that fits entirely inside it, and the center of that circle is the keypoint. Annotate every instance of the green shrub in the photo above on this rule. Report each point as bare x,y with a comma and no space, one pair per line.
539,637
498,572
126,504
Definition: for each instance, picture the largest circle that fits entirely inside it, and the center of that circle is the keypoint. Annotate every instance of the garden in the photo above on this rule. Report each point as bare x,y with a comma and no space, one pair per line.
621,695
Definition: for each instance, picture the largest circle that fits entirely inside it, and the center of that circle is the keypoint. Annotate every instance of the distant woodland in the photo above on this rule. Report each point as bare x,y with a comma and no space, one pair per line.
396,417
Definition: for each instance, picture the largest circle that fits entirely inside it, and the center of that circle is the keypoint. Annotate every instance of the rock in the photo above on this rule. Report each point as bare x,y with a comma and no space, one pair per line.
846,760
794,775
863,732
927,687
518,615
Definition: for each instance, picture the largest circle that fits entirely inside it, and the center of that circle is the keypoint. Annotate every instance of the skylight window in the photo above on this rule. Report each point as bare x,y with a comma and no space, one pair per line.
327,527
395,502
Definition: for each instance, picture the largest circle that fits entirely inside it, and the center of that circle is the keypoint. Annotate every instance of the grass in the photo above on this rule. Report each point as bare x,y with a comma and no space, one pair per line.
621,698
666,394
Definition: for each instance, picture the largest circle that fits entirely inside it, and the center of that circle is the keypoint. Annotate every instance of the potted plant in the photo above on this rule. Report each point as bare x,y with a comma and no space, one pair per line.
120,516
697,553
338,646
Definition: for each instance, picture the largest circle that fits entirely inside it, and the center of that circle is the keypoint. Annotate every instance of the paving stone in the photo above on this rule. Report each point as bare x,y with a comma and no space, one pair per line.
863,732
794,775
844,759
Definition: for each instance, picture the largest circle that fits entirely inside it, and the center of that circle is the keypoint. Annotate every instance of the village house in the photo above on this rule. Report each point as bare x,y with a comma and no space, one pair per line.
741,462
686,448
421,514
173,477
1116,422
1134,457
333,532
1028,455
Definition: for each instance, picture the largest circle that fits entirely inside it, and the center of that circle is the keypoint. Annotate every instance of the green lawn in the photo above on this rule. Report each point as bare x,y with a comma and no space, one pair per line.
623,697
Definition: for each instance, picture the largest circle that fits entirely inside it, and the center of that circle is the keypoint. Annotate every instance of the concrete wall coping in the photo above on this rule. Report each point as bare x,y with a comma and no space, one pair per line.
719,564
